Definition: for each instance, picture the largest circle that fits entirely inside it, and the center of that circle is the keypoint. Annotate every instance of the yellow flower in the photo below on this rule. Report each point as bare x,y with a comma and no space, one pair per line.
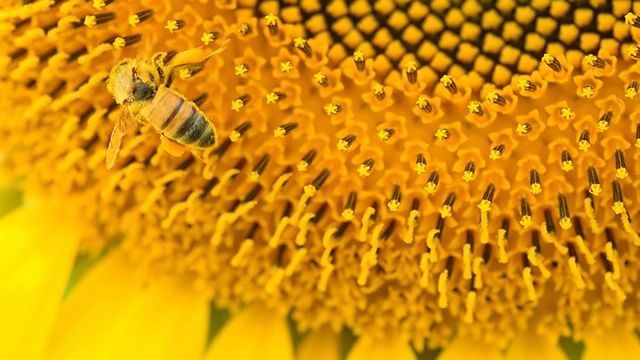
427,177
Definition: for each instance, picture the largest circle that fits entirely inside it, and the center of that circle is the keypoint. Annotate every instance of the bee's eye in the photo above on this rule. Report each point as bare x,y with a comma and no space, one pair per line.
142,91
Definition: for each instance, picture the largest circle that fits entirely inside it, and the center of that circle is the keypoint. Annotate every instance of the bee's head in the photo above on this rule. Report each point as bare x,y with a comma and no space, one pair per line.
126,85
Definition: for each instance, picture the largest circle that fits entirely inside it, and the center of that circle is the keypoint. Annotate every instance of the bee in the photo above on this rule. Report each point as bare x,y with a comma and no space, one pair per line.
143,90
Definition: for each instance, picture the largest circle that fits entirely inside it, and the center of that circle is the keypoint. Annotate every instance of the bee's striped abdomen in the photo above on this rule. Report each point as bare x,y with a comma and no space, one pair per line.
195,130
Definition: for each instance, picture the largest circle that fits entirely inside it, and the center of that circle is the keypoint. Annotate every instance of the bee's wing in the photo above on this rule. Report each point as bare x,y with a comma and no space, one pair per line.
124,124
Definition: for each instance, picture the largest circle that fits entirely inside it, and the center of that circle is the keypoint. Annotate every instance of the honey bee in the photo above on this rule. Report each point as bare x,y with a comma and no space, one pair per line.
143,90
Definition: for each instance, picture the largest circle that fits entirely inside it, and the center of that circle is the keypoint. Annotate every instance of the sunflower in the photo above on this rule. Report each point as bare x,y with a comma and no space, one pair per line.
451,179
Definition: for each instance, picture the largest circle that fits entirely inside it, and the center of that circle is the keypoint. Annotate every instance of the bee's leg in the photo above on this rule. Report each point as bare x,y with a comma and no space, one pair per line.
158,61
172,147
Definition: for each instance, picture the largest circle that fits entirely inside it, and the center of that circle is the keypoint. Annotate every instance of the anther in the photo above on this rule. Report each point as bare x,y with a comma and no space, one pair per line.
272,23
535,186
523,129
99,4
581,241
286,66
494,97
358,59
442,134
317,183
273,97
321,79
634,52
621,165
174,25
527,85
368,218
525,213
350,206
365,168
251,196
605,121
587,91
378,91
594,182
503,236
595,61
449,84
469,172
307,159
549,232
583,142
609,278
385,134
487,198
638,135
496,152
239,131
618,200
93,20
567,113
567,162
396,198
447,207
139,17
632,19
411,69
423,104
345,143
259,167
467,253
548,219
552,62
611,251
241,70
244,29
240,102
574,267
475,108
332,109
442,283
563,207
631,91
432,183
210,36
388,231
485,208
420,166
302,45
285,129
412,221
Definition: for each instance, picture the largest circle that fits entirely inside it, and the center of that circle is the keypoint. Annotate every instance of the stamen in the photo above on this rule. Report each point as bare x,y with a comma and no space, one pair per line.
274,281
566,113
396,198
632,19
527,276
385,134
244,29
241,70
274,96
621,165
324,277
618,200
595,61
583,142
350,206
366,167
285,220
485,209
174,25
447,206
425,270
549,232
98,19
284,129
411,69
631,91
303,45
574,267
358,59
237,210
259,167
200,99
589,211
594,183
378,91
467,253
567,162
523,129
495,97
286,66
304,225
496,152
412,221
432,183
442,283
634,52
638,136
317,183
332,109
609,279
237,133
272,23
433,239
475,108
611,251
420,166
552,62
99,4
210,36
605,121
321,79
535,186
503,236
580,240
243,252
388,231
565,217
469,172
281,181
449,84
307,160
140,17
470,304
442,134
240,102
423,104
526,85
587,91
368,218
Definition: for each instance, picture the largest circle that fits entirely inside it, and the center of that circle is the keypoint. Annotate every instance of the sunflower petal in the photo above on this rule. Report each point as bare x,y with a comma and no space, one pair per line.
618,343
37,250
254,333
113,315
528,345
468,348
322,344
394,347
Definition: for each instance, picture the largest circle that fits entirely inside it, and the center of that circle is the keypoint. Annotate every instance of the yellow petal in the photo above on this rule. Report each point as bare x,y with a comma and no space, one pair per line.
10,197
468,348
618,343
322,344
254,333
393,347
38,245
528,345
111,314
